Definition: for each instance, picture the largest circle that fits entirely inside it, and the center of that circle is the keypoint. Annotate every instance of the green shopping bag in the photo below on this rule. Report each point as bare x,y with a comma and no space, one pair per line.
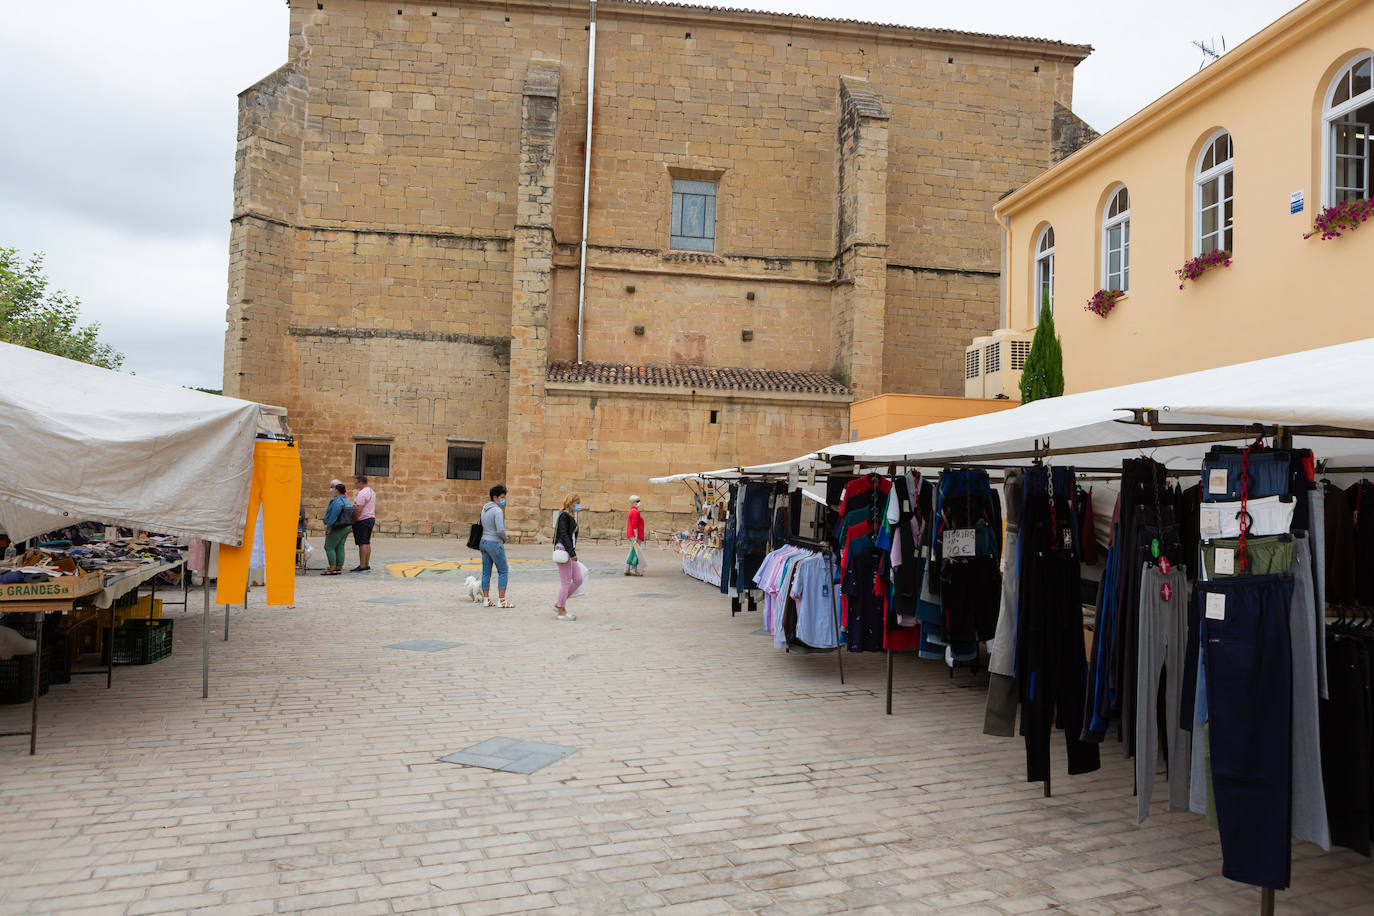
633,558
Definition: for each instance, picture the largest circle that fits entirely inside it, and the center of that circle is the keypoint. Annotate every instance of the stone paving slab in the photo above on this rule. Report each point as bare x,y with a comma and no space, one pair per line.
716,774
511,755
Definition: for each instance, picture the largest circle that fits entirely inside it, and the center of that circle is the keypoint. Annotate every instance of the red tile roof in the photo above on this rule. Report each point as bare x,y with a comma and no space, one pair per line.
697,377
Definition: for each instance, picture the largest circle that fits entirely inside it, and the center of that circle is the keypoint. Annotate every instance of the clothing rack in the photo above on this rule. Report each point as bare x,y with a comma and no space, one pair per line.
823,547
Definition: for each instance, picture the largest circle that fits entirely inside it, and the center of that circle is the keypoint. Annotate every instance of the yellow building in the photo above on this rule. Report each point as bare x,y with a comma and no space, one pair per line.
1241,158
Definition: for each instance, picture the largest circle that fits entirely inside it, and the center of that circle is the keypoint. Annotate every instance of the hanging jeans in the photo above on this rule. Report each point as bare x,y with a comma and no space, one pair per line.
1221,472
1163,638
276,488
1249,683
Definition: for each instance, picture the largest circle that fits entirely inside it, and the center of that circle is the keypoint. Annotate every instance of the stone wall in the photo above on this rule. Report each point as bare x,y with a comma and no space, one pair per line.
405,243
619,458
930,317
417,393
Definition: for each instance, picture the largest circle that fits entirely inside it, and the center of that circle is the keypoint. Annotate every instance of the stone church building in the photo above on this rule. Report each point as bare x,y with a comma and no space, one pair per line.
785,214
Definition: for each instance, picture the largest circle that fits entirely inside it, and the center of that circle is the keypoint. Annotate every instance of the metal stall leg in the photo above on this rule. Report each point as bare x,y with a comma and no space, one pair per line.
889,682
834,610
205,639
37,684
109,657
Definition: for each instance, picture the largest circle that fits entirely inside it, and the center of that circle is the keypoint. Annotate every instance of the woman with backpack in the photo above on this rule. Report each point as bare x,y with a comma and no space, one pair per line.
338,522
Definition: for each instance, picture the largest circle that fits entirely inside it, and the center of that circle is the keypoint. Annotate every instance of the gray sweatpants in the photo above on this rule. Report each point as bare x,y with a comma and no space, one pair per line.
1163,643
1317,514
999,719
1309,797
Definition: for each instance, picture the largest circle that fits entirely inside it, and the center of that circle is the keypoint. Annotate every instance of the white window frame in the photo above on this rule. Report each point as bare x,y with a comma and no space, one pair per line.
1122,220
1216,173
1331,116
1043,254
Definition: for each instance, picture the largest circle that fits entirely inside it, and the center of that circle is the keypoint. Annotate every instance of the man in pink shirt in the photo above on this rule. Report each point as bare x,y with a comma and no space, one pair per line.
364,517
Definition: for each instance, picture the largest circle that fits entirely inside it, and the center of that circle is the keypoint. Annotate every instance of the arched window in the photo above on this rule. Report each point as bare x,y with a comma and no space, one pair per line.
1116,241
1214,183
1346,120
1044,273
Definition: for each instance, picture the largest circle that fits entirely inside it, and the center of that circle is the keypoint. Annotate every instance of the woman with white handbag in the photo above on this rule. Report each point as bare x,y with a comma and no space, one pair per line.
565,555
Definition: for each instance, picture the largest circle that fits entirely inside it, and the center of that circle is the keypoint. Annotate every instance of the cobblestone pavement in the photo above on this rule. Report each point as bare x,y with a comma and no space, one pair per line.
715,774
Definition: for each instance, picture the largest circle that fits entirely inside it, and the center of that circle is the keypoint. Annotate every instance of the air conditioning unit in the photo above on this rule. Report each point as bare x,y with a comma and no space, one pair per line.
992,365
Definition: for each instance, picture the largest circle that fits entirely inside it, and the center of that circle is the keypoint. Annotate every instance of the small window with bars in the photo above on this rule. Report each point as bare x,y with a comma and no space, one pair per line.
1020,349
971,363
992,358
372,459
465,462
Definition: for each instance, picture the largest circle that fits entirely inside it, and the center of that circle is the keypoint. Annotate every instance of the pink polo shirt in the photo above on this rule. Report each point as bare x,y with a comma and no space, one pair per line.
364,504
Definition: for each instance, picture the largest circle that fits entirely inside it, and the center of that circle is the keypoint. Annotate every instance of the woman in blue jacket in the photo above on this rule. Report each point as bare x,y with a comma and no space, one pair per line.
338,521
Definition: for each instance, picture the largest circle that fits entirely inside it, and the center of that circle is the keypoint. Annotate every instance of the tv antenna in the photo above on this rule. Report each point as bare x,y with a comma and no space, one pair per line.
1209,50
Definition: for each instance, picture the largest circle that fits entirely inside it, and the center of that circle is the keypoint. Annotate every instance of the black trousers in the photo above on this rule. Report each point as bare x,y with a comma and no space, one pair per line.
1345,735
1249,663
1051,669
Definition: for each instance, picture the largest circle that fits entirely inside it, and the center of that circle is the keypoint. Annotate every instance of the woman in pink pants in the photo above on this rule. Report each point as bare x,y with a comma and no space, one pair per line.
565,536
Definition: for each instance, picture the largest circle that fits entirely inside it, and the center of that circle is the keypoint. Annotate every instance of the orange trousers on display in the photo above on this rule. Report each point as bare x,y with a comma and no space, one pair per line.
276,488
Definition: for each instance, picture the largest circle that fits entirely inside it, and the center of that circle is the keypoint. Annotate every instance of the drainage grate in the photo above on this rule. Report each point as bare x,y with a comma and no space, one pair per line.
425,645
510,755
388,601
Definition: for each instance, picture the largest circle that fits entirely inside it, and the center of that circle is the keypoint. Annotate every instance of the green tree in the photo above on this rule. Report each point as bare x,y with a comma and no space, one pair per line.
1043,374
33,316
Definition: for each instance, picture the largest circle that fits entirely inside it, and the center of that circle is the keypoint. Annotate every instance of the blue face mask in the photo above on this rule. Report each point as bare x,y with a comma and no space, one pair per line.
501,501
577,508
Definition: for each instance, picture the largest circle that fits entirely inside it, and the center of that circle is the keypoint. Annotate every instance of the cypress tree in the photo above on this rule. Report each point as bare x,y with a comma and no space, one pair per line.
1043,374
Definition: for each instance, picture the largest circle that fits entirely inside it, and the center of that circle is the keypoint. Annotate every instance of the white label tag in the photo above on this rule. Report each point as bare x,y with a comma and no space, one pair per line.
1224,561
1216,606
960,542
1210,522
1216,482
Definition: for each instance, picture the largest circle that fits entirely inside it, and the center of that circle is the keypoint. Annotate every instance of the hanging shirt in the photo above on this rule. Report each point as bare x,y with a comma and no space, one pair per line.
812,588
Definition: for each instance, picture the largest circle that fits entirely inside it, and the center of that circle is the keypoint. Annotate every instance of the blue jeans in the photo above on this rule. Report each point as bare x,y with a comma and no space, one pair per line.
494,554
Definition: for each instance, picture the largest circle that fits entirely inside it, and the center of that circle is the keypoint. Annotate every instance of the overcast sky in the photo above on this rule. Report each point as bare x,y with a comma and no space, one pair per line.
117,157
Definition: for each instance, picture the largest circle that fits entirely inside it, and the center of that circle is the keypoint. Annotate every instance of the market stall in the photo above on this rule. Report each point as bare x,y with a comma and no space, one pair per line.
84,443
1238,489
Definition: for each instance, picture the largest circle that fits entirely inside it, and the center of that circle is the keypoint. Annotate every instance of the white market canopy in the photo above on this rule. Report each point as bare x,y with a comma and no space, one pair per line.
78,442
1324,398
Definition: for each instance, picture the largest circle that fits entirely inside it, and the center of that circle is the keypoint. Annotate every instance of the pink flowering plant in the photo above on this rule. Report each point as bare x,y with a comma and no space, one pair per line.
1103,301
1196,267
1346,215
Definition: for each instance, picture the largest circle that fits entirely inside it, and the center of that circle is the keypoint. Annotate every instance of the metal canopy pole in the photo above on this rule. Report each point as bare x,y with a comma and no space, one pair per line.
205,633
37,684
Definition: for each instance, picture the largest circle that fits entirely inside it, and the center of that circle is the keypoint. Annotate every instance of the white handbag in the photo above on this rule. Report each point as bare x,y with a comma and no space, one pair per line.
560,556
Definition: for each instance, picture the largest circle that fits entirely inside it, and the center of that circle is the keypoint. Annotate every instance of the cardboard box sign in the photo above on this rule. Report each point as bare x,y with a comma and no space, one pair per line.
61,588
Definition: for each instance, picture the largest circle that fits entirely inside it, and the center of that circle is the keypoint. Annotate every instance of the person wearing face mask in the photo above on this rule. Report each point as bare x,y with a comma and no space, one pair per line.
338,522
493,547
569,573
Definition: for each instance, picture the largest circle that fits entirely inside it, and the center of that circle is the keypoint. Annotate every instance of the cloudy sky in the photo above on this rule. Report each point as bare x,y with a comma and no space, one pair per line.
117,159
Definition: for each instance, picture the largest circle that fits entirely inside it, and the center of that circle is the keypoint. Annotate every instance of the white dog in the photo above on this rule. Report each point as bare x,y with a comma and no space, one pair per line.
474,589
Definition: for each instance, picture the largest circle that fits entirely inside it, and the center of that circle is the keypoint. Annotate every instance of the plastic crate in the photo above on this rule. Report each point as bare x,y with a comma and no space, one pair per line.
57,659
16,679
142,642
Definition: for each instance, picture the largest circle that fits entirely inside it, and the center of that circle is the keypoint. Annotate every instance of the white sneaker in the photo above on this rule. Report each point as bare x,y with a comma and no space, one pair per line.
13,643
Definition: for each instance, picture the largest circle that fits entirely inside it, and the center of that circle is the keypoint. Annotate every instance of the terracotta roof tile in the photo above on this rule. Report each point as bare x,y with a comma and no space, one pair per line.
697,377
